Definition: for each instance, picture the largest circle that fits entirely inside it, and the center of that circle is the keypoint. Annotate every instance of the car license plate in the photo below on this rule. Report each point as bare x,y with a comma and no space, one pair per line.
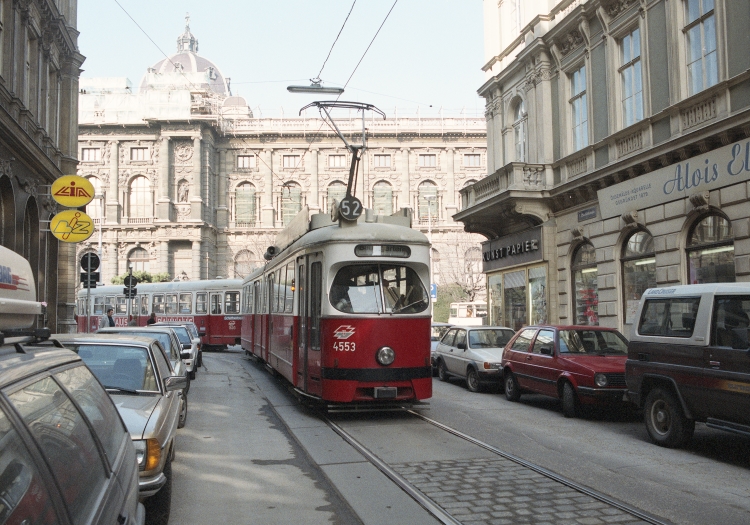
385,392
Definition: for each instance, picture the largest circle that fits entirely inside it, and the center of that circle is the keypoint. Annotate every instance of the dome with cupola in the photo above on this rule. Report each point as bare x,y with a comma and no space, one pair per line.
186,69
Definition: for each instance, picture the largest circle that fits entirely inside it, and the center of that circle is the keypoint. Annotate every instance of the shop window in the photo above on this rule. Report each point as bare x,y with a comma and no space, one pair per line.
518,298
710,251
538,295
514,299
495,298
638,271
585,289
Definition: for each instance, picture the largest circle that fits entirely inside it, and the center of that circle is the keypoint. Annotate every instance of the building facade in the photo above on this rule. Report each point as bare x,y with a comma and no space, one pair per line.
618,154
192,184
39,69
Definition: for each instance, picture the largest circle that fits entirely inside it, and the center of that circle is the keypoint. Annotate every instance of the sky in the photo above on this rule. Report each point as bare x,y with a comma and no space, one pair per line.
426,59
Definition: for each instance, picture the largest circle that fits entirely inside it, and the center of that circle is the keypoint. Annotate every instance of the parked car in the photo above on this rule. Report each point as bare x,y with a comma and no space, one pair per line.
472,353
187,333
169,341
689,360
437,331
139,377
581,365
65,453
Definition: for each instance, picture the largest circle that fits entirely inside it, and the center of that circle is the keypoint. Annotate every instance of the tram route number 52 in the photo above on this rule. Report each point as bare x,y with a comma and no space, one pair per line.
344,346
350,208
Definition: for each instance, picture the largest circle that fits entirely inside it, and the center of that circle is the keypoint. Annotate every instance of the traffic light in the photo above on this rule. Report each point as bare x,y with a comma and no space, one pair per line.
89,280
129,292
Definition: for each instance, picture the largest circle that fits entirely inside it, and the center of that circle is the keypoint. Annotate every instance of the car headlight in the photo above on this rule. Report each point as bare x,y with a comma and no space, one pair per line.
492,366
386,355
600,380
148,453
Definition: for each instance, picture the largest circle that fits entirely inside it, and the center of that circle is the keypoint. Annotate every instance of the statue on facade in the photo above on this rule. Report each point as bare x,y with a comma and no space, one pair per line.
182,192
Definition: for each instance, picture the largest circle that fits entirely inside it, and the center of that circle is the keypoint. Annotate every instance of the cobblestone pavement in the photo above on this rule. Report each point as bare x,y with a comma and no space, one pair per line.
499,492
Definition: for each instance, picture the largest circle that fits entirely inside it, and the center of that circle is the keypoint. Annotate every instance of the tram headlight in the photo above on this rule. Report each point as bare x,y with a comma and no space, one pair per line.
386,355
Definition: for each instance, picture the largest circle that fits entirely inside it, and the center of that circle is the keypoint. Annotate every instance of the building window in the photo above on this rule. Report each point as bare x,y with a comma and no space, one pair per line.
245,162
291,201
244,205
336,191
337,161
427,160
700,34
139,201
585,289
428,202
579,110
519,132
244,263
711,251
382,198
472,160
91,155
638,271
94,208
382,161
632,82
138,154
291,161
139,260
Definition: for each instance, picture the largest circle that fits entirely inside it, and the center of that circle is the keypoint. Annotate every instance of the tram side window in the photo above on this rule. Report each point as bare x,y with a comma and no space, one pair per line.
257,296
122,306
170,306
289,289
158,304
316,294
186,303
272,284
201,303
231,302
144,305
98,305
215,304
110,302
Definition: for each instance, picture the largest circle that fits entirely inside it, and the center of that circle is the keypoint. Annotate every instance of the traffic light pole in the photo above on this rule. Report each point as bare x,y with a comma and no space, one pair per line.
88,298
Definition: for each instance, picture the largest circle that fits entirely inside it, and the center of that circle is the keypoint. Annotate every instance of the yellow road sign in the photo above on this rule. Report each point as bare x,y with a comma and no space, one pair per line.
72,226
72,191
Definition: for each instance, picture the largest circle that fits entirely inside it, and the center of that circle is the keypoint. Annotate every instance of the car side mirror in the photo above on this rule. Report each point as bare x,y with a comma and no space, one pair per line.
461,346
175,383
546,350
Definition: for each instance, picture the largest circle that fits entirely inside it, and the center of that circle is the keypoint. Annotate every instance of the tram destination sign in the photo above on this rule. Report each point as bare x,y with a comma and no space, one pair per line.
721,167
520,248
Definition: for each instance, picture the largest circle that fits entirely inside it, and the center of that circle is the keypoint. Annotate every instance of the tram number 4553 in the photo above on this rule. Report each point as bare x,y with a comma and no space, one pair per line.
344,346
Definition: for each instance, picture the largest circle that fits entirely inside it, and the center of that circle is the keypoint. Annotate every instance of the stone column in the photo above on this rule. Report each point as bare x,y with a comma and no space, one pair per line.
222,215
267,215
314,200
198,196
198,268
405,197
163,205
164,257
113,191
450,198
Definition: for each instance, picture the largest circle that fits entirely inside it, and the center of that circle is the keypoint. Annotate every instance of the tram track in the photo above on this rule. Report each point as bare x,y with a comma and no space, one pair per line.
433,505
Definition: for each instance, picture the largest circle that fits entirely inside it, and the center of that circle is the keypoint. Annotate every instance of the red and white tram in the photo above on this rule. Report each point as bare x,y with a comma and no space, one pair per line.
341,310
212,304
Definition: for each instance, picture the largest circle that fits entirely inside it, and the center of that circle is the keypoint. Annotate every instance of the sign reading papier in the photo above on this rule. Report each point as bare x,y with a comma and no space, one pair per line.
718,168
519,248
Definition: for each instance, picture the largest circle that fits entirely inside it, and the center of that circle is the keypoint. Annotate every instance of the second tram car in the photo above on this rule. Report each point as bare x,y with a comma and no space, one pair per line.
212,304
342,311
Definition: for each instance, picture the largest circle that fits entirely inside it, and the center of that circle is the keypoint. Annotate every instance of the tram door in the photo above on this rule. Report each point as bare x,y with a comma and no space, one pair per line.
312,339
301,328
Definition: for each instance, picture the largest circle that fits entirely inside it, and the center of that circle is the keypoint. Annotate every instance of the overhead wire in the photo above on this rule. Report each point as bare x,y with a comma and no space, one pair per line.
336,40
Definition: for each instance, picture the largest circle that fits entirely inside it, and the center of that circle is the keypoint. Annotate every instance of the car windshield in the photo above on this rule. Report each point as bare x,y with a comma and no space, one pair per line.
120,367
162,337
378,288
489,338
597,342
182,334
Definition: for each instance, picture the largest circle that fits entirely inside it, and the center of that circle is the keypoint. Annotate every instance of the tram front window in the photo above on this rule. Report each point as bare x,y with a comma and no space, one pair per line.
377,288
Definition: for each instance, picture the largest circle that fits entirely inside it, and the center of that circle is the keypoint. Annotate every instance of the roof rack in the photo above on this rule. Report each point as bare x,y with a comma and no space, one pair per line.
25,335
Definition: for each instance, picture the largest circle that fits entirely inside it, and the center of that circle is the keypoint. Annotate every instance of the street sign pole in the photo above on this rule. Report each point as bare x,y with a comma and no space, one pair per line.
88,296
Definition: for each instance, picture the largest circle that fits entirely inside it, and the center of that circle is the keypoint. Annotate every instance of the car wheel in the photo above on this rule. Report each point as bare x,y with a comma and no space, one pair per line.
665,421
512,390
183,412
569,401
187,387
159,505
442,371
472,380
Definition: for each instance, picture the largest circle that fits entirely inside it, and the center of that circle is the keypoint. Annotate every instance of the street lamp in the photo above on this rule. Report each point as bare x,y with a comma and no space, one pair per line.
315,87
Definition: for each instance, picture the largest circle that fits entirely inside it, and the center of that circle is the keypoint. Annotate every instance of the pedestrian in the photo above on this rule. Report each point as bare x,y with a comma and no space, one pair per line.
132,321
151,318
107,319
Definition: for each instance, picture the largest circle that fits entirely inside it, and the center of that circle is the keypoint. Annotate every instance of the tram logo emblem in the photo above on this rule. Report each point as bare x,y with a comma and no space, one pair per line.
344,331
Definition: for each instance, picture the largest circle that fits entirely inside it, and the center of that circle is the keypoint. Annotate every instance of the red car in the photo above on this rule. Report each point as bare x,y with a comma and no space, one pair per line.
581,365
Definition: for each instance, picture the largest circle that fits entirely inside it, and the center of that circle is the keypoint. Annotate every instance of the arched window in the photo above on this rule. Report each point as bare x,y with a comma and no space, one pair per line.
519,131
94,209
7,213
336,191
139,201
244,205
585,290
291,201
710,251
428,202
382,198
244,263
139,259
638,270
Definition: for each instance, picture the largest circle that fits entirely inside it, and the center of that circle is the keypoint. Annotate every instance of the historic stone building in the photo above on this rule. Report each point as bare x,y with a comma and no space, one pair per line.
618,154
194,185
39,68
